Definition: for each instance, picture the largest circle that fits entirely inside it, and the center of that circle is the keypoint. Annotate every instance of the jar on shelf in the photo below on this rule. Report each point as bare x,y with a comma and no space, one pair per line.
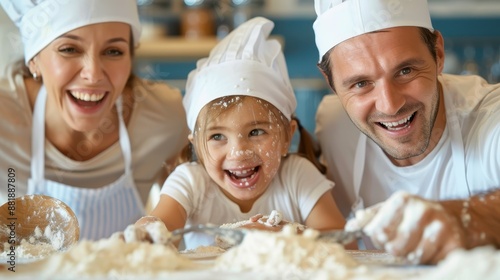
197,19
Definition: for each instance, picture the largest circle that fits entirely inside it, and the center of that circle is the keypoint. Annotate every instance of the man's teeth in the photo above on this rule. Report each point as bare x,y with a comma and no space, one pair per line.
242,172
400,122
87,96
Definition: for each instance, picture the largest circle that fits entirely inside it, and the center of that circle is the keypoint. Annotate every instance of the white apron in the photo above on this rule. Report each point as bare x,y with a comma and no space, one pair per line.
101,211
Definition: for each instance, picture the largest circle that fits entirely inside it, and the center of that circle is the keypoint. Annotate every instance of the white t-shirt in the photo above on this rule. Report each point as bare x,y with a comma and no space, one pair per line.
157,131
294,191
439,175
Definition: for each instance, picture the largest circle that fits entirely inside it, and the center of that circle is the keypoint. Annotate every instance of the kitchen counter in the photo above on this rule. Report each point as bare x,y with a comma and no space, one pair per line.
480,263
374,265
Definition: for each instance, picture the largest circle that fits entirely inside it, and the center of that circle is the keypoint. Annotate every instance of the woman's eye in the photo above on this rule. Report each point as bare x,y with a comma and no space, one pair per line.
67,50
257,132
114,52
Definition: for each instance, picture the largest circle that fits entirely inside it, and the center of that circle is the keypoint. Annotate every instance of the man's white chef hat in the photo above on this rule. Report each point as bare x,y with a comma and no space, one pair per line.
339,20
246,62
42,21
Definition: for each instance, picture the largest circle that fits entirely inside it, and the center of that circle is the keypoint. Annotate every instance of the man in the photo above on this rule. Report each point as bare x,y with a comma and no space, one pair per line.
398,130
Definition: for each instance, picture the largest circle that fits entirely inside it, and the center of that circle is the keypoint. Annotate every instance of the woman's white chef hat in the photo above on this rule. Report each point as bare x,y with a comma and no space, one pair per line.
245,62
339,20
42,21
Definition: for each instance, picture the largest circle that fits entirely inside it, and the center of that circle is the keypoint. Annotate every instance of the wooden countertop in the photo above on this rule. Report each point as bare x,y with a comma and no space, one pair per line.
173,48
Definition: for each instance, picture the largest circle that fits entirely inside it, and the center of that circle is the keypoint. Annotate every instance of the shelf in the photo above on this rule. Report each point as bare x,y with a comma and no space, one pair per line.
438,8
469,9
174,48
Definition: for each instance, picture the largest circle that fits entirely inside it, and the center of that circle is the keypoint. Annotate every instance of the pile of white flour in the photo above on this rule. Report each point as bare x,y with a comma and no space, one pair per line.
37,246
109,258
479,263
288,252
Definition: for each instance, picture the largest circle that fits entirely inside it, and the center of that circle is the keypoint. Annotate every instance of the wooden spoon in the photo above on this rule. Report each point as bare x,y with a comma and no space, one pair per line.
38,218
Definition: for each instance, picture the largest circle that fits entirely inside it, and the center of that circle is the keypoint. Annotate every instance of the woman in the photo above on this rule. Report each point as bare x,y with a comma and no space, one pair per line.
77,125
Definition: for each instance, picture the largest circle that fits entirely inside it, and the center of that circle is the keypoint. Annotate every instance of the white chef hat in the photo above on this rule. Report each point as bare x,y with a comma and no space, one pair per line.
339,20
245,62
42,21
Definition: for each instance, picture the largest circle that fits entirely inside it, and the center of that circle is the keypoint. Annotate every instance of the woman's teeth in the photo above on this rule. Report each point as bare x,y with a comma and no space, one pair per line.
394,125
87,96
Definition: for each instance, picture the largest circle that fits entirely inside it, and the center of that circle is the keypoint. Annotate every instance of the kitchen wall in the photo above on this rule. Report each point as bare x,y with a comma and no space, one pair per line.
11,47
471,30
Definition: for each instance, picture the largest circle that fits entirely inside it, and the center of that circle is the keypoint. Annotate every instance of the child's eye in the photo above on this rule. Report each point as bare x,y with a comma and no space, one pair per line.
217,137
257,132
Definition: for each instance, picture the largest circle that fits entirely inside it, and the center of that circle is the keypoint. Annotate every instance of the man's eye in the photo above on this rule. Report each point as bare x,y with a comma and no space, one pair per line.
405,71
361,84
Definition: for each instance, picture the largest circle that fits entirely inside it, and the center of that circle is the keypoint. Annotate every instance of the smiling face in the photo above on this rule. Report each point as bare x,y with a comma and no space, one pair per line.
387,82
84,72
241,141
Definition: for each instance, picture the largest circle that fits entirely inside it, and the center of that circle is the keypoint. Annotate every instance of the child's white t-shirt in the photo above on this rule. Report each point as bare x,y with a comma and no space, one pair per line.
294,192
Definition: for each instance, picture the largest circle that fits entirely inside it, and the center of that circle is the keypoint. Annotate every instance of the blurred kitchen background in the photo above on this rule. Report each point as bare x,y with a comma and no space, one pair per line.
471,29
178,32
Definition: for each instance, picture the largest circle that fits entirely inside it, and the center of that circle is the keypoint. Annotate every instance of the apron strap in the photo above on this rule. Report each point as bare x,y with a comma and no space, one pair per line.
457,144
124,138
358,170
38,137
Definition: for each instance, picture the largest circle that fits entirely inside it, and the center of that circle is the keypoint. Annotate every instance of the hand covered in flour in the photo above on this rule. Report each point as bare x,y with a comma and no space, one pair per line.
405,225
273,222
274,219
147,229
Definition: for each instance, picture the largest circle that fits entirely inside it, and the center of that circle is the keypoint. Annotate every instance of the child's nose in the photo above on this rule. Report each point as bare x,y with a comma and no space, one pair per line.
240,152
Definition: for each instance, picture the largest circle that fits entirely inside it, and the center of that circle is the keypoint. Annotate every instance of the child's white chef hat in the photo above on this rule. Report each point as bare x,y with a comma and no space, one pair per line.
339,20
245,62
42,21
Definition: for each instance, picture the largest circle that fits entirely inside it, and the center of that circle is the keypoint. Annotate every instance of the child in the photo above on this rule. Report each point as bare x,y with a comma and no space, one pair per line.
239,104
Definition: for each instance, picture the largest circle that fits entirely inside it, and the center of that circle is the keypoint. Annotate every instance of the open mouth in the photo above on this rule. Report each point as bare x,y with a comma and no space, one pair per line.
398,125
85,99
243,178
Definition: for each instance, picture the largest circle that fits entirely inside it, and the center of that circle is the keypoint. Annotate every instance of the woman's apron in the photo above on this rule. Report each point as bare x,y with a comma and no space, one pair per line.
101,211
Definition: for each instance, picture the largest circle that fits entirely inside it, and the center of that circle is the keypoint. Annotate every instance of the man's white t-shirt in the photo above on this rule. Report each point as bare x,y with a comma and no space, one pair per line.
472,106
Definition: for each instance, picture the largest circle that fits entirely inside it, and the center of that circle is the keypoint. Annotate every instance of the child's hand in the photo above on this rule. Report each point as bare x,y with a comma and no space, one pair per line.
147,229
273,222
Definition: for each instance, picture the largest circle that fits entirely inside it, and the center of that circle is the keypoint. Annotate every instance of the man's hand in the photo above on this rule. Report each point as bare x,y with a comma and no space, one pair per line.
405,225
